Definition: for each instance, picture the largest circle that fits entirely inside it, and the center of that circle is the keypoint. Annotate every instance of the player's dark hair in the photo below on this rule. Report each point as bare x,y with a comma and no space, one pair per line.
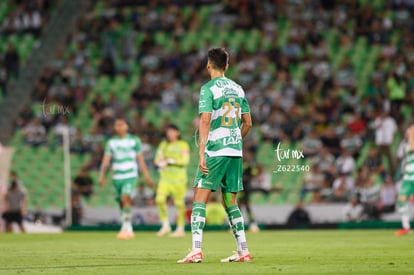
174,127
121,118
13,185
219,58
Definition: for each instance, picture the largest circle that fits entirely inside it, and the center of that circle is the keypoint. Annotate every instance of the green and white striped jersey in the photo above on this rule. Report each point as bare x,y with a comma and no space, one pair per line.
409,167
226,101
123,152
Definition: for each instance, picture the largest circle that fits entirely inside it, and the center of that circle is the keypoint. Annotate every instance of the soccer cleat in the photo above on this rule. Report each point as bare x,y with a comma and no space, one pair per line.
178,233
125,235
192,257
164,231
402,232
237,258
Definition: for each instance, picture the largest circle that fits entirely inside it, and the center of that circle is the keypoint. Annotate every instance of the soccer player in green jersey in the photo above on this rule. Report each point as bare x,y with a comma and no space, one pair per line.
224,122
124,150
172,158
407,186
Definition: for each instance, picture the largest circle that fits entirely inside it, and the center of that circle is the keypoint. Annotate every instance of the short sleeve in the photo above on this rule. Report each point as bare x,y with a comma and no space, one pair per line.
205,103
138,145
108,150
245,108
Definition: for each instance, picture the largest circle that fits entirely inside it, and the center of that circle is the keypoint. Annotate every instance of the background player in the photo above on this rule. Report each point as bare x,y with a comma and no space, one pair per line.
250,169
172,157
222,107
125,150
407,186
15,204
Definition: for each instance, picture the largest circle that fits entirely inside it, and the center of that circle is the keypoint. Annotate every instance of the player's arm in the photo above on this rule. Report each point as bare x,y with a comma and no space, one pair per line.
24,205
6,203
106,161
246,124
410,138
205,108
159,159
204,128
144,169
245,117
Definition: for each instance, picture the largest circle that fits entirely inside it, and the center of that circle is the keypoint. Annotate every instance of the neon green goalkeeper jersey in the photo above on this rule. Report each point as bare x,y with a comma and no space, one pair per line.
177,155
123,152
226,101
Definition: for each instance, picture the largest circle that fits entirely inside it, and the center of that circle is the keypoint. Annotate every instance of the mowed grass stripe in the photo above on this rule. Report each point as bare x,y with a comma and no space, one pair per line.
274,252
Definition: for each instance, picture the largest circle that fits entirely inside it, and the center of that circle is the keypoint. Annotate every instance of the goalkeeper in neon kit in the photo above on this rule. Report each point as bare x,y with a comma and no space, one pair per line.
125,151
172,157
407,186
224,122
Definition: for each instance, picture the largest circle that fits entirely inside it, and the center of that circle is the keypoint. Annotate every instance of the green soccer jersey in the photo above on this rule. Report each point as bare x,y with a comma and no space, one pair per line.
123,152
409,167
226,102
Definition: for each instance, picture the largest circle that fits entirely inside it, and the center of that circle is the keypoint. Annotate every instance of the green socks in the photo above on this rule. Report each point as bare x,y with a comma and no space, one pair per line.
126,219
403,209
237,225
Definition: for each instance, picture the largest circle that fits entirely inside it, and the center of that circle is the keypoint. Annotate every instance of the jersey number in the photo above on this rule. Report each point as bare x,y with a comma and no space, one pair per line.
226,119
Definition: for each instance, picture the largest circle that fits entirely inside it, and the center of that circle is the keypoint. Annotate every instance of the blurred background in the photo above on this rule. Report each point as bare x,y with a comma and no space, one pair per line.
330,83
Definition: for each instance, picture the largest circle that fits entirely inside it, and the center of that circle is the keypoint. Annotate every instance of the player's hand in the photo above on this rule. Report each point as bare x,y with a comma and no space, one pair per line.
162,163
101,180
202,165
171,161
150,183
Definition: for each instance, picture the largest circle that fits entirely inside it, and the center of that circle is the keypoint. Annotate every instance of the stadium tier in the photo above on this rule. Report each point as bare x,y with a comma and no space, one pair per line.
21,26
148,64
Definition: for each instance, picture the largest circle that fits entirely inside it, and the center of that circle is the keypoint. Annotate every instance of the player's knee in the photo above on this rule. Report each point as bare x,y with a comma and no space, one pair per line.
126,200
179,203
402,198
229,199
228,204
160,198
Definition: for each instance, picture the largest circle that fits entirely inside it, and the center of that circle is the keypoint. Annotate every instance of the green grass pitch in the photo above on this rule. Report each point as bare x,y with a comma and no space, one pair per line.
274,252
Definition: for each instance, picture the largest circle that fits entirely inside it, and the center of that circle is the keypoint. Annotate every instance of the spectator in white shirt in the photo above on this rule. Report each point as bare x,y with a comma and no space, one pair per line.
343,186
385,129
388,195
345,163
353,210
34,133
36,23
369,197
62,126
326,163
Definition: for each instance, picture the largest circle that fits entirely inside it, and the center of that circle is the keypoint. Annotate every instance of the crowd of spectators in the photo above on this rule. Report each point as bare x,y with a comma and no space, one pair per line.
327,113
28,16
24,17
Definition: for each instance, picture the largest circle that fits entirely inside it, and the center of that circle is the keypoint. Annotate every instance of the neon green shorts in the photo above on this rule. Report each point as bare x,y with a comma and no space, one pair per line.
177,191
124,187
226,171
407,188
